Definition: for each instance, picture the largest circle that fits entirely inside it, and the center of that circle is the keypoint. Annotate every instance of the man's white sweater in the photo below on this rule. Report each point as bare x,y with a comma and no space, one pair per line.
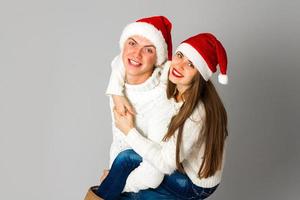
145,98
154,113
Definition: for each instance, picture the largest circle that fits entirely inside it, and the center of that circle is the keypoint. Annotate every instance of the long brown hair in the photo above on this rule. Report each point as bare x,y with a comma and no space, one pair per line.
214,127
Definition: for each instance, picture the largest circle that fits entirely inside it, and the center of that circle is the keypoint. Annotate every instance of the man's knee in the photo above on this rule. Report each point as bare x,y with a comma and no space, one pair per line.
128,156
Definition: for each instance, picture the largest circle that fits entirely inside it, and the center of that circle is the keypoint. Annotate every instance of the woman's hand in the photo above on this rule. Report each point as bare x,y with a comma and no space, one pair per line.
124,122
122,105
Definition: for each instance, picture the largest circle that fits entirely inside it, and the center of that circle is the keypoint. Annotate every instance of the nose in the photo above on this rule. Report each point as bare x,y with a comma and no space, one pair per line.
180,64
138,52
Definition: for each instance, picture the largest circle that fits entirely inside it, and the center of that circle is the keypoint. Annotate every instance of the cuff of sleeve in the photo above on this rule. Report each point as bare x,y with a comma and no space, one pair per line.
114,91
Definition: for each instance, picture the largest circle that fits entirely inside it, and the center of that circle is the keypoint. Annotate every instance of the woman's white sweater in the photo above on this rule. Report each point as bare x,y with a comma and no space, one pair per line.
154,113
162,155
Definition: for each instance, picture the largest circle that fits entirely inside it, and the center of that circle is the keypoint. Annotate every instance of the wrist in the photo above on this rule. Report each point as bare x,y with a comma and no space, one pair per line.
128,130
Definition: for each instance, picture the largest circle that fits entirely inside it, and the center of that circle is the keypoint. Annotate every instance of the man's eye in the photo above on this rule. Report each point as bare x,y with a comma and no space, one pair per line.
149,50
131,43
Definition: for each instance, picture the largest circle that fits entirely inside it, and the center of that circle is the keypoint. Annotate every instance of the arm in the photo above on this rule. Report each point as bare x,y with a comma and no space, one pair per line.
118,141
162,155
146,175
165,72
116,81
116,87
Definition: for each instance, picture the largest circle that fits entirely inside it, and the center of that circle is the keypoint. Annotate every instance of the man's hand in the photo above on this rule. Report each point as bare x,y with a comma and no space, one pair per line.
104,175
122,105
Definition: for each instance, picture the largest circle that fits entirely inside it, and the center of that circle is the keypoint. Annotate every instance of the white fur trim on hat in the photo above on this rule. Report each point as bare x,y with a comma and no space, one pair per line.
223,79
196,58
151,33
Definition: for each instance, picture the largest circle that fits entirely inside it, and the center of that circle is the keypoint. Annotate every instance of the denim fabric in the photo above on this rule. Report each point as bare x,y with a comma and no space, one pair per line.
123,165
176,186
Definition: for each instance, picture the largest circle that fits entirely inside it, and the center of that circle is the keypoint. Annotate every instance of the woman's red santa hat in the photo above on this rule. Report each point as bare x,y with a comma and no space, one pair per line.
157,29
206,53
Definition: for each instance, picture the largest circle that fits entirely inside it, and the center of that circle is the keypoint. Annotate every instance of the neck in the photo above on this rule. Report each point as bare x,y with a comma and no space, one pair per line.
181,90
179,97
134,80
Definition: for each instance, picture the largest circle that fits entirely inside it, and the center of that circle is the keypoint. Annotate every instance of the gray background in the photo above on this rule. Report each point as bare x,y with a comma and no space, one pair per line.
55,58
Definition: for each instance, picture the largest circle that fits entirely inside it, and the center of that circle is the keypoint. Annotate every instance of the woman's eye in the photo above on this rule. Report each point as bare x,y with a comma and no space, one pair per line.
179,55
191,65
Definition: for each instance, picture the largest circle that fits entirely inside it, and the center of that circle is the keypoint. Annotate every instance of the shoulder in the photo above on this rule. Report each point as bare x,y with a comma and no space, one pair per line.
199,113
195,123
166,65
165,71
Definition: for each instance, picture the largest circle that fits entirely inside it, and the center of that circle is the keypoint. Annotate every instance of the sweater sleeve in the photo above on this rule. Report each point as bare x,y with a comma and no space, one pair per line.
143,177
163,155
165,73
116,81
118,139
146,176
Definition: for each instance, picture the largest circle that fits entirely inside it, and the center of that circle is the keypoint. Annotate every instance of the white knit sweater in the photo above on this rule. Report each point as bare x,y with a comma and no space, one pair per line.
145,98
154,112
163,155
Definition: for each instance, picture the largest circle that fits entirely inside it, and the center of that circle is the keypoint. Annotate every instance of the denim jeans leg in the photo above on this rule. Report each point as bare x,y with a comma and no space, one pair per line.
159,193
123,165
205,192
179,185
176,186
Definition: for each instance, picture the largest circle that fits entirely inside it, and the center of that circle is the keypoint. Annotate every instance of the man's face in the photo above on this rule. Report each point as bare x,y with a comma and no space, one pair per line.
139,57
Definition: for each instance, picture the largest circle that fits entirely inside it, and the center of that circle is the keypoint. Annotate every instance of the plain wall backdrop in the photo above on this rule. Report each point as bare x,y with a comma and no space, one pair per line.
55,123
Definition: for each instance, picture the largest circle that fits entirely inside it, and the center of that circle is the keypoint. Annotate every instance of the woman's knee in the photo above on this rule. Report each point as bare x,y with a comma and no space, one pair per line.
178,182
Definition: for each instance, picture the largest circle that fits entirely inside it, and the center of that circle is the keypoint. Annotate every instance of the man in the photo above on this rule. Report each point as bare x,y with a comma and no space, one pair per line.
145,46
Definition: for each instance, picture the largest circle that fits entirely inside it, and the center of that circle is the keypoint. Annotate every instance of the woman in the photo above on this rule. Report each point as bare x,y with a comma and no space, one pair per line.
192,151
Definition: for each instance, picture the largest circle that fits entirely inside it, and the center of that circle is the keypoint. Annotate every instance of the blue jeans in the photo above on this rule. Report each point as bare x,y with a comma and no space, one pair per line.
174,186
112,186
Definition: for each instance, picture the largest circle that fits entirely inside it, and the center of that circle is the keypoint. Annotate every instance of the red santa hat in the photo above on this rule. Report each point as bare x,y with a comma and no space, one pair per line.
206,53
157,29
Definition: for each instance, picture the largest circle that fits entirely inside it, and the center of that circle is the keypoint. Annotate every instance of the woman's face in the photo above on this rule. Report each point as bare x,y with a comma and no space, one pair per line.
182,71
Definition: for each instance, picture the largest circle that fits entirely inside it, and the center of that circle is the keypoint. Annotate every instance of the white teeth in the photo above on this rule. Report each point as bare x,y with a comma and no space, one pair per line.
176,73
134,62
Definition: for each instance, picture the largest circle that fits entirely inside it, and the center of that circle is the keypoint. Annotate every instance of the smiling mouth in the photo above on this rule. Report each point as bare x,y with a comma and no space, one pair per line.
134,63
176,73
